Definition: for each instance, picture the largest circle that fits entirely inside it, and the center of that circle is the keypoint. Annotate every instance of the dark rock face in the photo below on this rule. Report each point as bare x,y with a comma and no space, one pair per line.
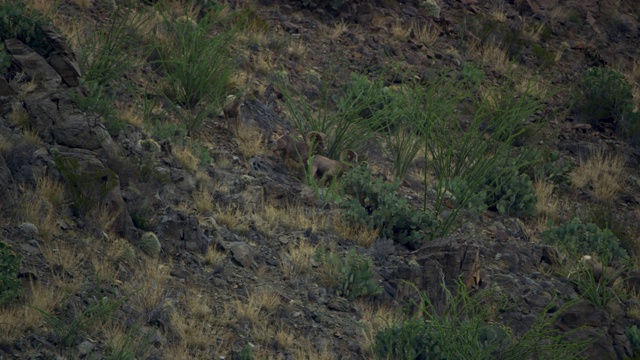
176,229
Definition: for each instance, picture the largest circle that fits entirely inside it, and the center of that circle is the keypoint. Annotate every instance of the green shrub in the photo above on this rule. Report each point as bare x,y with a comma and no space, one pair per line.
374,204
578,238
5,59
198,68
605,96
633,334
504,189
351,276
9,268
19,22
553,168
462,328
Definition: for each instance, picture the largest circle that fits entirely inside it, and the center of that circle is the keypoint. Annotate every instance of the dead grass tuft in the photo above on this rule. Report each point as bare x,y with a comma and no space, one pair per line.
232,217
298,259
19,116
532,32
186,158
203,201
359,234
600,174
131,115
497,12
84,4
492,55
427,34
374,319
250,141
400,31
547,203
38,210
213,256
337,30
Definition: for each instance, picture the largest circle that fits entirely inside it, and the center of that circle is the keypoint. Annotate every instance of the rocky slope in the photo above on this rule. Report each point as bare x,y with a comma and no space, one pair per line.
189,260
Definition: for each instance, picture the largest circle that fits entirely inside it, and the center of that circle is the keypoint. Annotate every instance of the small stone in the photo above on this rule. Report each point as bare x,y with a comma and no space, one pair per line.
85,348
29,228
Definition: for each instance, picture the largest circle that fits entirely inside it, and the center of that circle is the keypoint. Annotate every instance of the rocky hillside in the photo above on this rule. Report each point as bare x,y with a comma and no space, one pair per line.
469,188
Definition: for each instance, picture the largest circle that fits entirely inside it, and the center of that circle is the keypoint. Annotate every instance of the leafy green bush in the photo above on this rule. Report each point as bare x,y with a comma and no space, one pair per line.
19,22
504,189
578,238
633,334
605,95
9,268
351,275
553,168
461,328
374,204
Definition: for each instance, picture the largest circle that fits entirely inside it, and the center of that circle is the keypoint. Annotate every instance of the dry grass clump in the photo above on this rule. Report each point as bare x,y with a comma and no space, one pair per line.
297,49
497,12
232,217
41,205
532,32
131,115
337,30
298,259
16,319
359,234
427,34
374,319
250,141
547,203
600,174
203,201
491,54
400,31
273,219
186,158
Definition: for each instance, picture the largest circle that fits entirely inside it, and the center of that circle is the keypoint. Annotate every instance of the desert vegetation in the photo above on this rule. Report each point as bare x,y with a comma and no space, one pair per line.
317,180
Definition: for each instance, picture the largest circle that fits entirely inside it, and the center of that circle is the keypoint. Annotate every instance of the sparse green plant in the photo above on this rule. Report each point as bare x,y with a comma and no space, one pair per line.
351,276
246,353
5,59
20,22
69,330
87,187
374,203
9,268
466,152
578,238
633,334
553,168
197,67
132,345
111,51
348,117
462,329
596,289
150,245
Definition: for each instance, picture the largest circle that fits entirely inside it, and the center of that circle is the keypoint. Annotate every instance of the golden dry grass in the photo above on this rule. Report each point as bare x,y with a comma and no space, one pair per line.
41,205
232,218
185,157
19,116
357,233
273,219
339,28
148,285
203,201
298,259
427,34
600,174
63,258
130,114
497,12
532,32
297,49
250,141
547,203
400,31
213,256
491,55
16,319
374,319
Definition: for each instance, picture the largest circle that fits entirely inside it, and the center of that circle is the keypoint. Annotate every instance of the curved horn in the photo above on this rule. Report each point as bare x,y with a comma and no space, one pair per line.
348,155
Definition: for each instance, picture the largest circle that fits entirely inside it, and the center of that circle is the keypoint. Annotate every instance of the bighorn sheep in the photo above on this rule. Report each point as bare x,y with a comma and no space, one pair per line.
299,151
327,169
231,110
